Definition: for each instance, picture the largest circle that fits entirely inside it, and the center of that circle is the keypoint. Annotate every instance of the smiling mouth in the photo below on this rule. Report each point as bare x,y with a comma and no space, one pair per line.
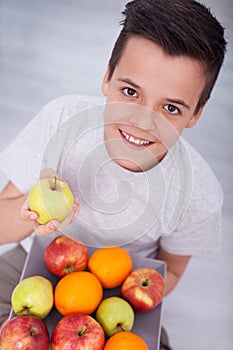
135,141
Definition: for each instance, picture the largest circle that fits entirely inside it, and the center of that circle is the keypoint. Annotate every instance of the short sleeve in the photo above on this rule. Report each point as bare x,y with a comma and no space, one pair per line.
203,237
199,228
21,160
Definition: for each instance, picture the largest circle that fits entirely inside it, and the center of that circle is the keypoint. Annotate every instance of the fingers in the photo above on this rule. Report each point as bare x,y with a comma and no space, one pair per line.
50,173
54,225
44,230
70,218
47,172
76,207
26,214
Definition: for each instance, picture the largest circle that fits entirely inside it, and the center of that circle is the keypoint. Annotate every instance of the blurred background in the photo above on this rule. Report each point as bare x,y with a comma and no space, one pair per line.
50,48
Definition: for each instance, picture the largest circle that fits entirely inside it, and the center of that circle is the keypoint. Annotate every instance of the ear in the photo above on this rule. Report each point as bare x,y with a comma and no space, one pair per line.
194,119
105,83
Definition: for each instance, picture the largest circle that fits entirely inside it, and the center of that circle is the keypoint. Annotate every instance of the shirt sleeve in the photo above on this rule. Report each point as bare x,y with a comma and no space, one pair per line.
199,228
203,237
21,160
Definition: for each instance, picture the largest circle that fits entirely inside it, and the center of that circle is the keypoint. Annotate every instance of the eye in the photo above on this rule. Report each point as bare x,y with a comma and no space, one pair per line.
130,92
172,109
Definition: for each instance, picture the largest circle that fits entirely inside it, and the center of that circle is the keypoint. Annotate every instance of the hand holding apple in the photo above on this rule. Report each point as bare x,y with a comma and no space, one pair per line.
51,199
25,333
33,296
50,205
78,331
64,255
144,289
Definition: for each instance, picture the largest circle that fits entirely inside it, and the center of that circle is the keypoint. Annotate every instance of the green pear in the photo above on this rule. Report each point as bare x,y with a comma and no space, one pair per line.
115,314
33,296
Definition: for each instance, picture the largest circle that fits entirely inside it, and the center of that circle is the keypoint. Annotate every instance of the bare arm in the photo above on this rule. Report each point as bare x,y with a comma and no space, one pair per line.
176,265
12,228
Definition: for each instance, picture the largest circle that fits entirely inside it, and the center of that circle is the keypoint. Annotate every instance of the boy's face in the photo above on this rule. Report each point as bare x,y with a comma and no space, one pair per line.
151,98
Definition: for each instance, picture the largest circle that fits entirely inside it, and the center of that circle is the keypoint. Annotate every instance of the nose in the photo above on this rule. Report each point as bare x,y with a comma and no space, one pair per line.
143,117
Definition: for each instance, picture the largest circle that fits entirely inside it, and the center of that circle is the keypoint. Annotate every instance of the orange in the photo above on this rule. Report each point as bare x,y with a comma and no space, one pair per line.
78,292
125,341
111,265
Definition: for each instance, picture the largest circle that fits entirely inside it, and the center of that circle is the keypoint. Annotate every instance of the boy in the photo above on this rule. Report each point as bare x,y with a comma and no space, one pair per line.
138,183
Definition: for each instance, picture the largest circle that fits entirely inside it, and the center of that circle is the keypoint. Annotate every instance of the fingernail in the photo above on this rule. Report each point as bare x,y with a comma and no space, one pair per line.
76,201
53,227
32,216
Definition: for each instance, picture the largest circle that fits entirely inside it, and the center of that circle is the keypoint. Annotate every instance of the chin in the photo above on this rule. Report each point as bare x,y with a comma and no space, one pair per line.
131,166
128,165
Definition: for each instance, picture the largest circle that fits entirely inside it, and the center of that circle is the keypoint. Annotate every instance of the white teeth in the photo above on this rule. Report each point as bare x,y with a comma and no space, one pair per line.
133,140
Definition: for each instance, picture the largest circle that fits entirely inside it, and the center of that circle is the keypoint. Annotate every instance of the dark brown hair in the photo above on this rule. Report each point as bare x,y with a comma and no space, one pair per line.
180,27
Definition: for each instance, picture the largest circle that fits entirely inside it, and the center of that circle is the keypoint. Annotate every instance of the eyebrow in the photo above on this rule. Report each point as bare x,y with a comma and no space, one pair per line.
129,81
170,100
179,102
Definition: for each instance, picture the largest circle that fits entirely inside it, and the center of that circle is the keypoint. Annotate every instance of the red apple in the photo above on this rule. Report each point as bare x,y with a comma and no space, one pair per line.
143,288
25,333
78,331
64,255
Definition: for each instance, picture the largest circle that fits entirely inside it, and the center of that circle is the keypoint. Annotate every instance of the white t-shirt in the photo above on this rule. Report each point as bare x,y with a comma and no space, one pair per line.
176,204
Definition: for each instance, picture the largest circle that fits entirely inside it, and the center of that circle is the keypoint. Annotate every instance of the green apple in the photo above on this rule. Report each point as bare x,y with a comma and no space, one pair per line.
51,199
115,314
33,296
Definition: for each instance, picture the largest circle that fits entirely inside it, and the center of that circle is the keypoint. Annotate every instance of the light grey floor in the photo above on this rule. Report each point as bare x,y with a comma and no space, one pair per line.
50,48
